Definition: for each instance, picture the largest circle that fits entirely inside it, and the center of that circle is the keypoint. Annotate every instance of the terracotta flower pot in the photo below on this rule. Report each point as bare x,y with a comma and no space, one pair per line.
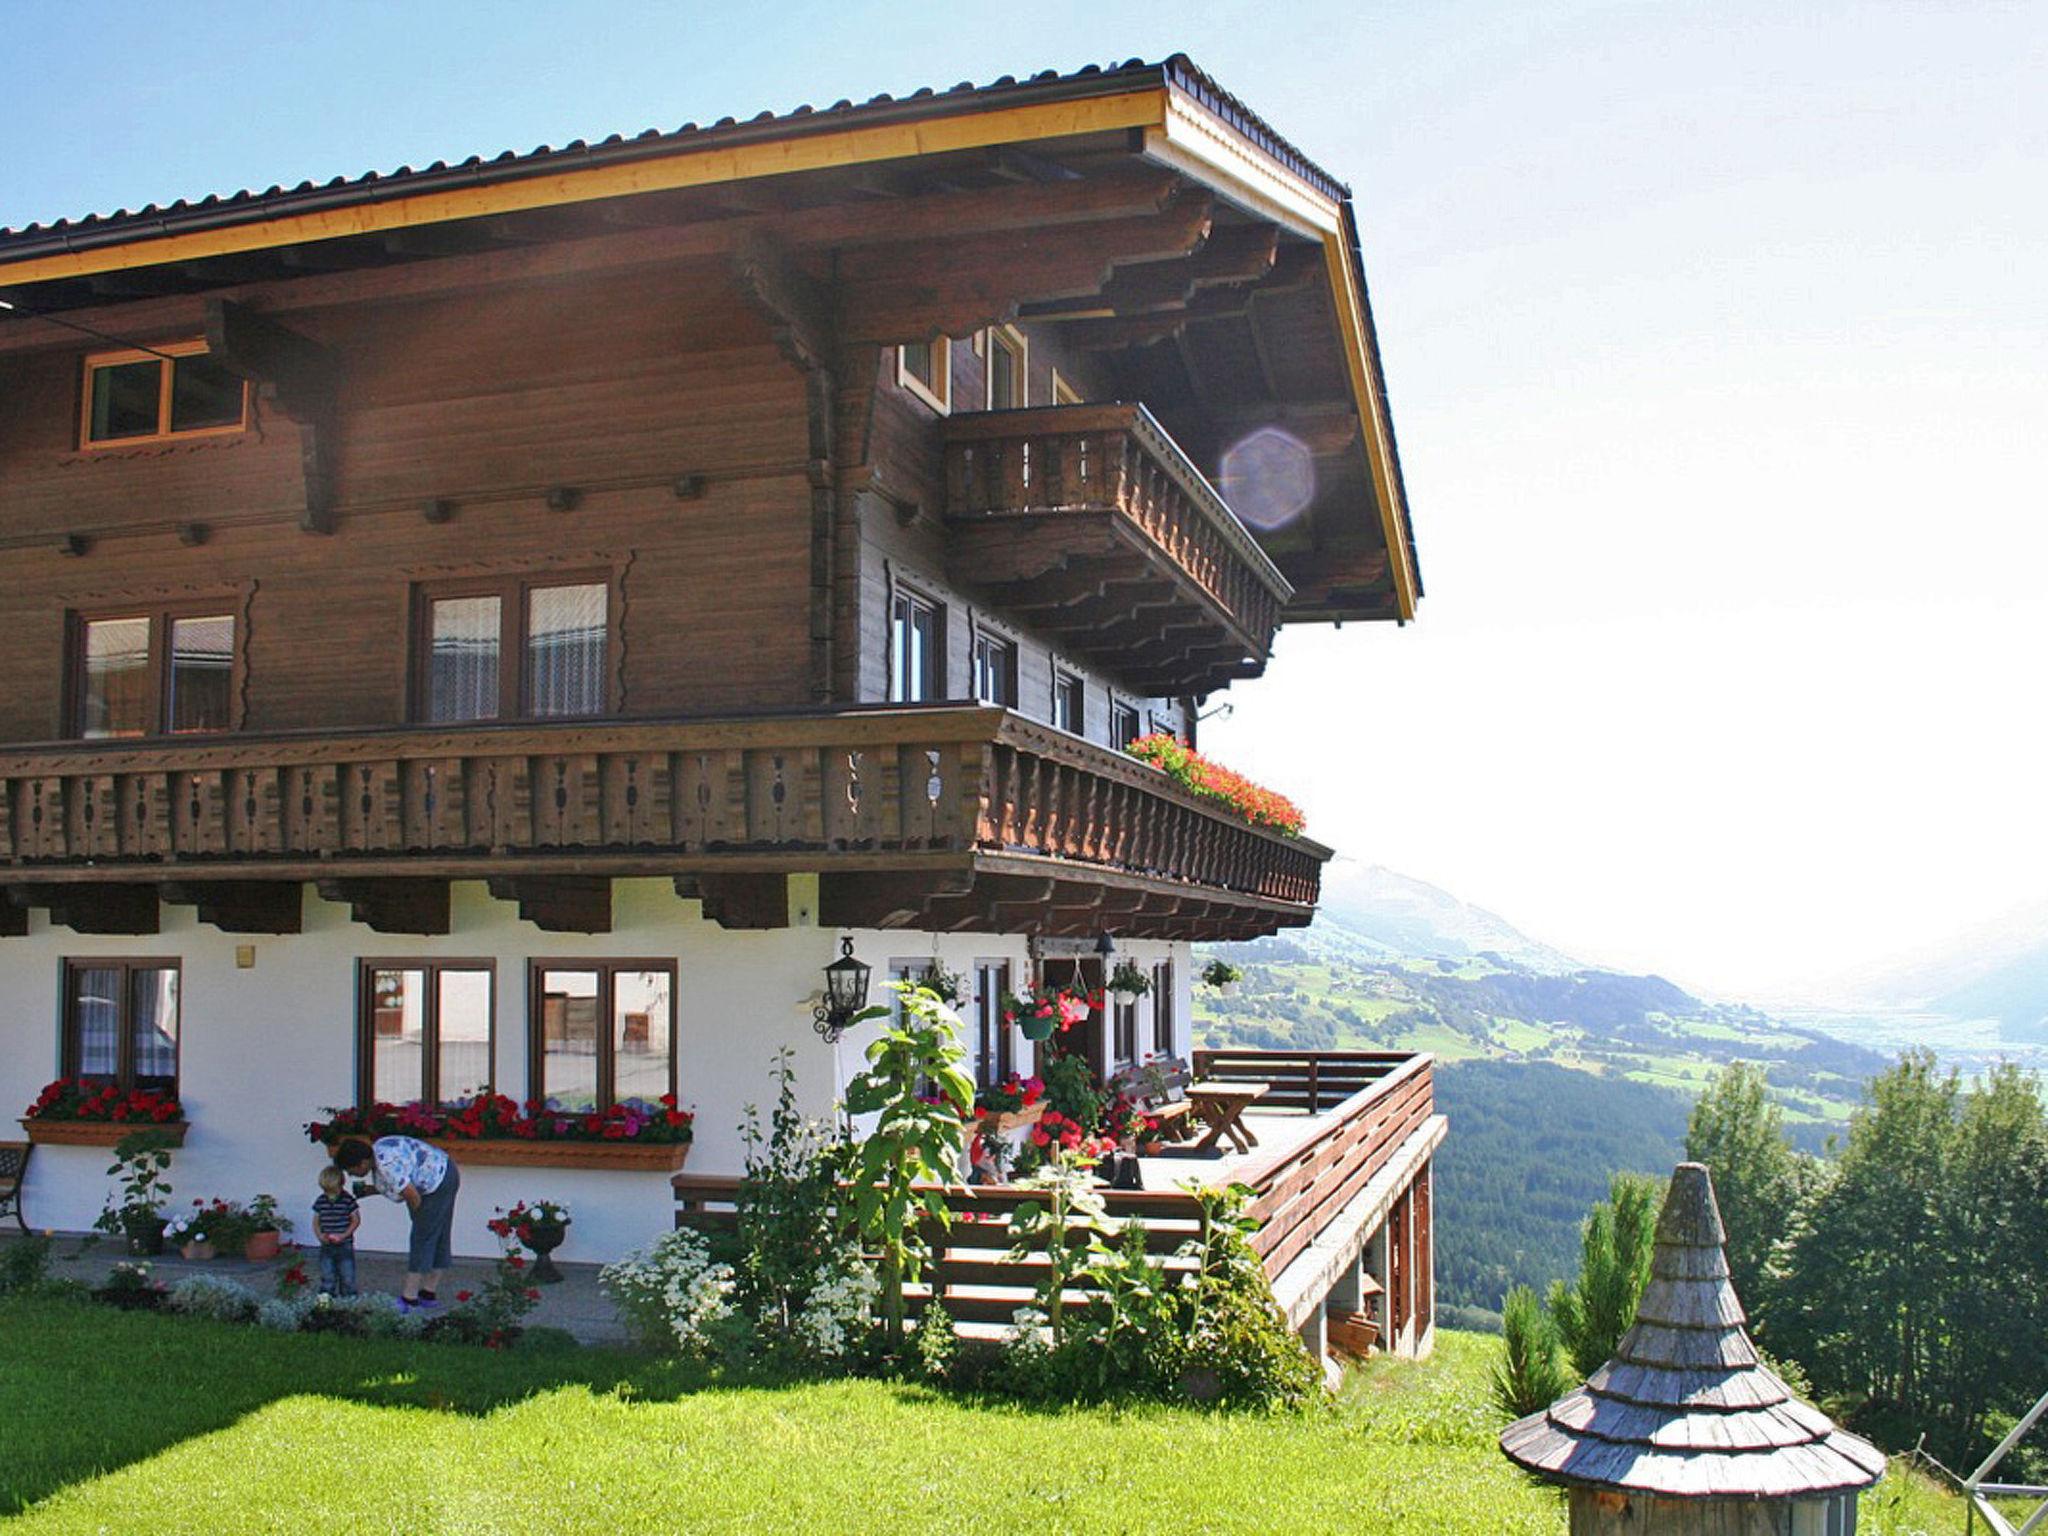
263,1245
196,1253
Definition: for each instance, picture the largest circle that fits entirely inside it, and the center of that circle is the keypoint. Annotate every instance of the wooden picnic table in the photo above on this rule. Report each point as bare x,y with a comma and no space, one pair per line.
1223,1106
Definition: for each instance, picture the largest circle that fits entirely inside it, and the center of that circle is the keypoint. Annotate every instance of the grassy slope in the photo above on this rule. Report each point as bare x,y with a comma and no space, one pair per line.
121,1422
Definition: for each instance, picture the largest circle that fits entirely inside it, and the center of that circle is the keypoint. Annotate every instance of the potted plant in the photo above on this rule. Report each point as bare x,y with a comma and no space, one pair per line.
1015,1101
1129,981
1046,1010
947,986
142,1161
1223,976
540,1226
189,1232
74,1112
266,1230
131,1288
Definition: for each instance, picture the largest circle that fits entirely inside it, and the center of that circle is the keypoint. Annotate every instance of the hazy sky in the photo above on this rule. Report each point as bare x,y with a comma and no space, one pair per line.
1718,345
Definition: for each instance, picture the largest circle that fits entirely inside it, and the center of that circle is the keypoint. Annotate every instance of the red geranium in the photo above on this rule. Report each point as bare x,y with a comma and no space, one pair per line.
71,1099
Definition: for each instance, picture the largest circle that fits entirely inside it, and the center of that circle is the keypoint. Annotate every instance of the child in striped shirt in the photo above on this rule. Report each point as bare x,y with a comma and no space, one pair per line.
335,1219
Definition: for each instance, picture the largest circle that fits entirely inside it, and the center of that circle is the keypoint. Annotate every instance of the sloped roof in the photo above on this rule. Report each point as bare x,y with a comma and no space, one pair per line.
1685,1409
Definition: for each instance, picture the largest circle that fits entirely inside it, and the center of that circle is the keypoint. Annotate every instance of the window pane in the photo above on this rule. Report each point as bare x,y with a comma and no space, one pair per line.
464,1025
114,698
923,677
899,651
568,1034
920,361
1162,1009
203,394
93,1013
1066,704
1005,379
125,400
398,1034
153,1001
462,663
565,650
202,668
643,1034
995,671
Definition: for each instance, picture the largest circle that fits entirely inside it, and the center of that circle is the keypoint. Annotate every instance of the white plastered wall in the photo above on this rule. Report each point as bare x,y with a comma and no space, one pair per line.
266,1048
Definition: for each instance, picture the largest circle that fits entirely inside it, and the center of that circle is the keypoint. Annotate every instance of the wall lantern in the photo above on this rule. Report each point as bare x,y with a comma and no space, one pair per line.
1106,948
846,993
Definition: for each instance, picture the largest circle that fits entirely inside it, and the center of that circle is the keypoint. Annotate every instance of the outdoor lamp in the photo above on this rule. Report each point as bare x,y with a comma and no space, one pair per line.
846,993
1105,947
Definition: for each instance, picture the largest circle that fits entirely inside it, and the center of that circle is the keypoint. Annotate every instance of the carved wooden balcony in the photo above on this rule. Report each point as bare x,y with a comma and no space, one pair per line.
968,818
1088,522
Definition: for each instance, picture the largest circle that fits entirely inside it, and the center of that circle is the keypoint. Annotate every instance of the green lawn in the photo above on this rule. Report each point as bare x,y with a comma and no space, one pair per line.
119,1422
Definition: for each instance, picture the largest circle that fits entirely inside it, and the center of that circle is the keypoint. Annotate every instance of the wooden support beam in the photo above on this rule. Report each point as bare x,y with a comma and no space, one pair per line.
747,901
91,906
299,377
559,903
884,900
394,905
1231,257
241,906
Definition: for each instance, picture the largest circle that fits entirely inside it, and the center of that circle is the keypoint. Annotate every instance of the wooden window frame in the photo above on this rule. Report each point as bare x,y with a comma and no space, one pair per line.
998,339
515,671
162,356
917,596
1123,1020
1162,1008
1064,393
993,640
430,1024
161,615
124,1033
1063,677
995,1050
939,393
607,1066
1119,708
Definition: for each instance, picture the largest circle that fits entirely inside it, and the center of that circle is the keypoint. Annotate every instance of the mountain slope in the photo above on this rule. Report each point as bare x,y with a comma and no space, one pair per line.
1408,917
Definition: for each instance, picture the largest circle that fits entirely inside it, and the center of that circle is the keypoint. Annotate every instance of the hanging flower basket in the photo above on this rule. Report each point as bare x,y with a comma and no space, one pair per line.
1038,1014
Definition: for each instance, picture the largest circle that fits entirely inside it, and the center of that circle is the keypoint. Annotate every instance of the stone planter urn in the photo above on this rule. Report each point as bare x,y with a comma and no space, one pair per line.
543,1238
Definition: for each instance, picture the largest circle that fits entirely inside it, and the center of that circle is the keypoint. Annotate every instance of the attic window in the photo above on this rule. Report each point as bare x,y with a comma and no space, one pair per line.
1007,368
141,397
925,368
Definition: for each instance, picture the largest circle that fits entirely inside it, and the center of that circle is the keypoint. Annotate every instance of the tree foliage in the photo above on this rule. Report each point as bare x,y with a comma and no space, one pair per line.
1616,1244
1758,1179
1530,1373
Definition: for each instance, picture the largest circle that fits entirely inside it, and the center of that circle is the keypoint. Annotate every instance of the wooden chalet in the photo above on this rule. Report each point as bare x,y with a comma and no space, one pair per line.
500,624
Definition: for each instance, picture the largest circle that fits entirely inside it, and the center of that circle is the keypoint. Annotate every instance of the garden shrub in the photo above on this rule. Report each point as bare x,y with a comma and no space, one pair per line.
25,1264
672,1294
1530,1373
938,1346
280,1315
223,1301
837,1319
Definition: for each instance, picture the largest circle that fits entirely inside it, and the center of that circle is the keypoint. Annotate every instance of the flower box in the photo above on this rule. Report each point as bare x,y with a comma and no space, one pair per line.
1001,1123
510,1152
98,1133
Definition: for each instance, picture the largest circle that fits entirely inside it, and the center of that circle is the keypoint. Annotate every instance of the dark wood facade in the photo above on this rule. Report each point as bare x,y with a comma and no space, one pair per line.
686,387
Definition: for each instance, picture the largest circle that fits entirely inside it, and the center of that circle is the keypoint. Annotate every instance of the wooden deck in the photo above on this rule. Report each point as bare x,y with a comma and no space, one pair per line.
1308,1169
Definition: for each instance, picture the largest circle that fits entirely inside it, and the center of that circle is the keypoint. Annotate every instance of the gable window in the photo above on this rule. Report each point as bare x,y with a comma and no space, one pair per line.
995,670
1008,369
425,1030
1063,393
916,649
925,368
538,649
1069,702
1124,724
148,673
139,397
121,1023
603,1033
1162,1008
993,1055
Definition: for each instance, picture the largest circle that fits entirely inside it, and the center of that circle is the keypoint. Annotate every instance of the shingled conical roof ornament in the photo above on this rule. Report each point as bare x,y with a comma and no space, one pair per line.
1685,1429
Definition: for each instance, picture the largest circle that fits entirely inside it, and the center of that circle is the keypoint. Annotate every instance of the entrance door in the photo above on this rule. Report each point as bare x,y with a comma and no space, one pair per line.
1090,1038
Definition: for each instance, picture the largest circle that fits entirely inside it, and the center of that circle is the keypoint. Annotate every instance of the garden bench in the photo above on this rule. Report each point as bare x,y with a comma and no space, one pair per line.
13,1173
1159,1088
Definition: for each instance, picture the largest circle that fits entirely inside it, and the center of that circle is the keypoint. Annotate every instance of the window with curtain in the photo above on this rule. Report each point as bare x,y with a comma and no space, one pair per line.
994,1055
1162,1008
518,648
603,1033
145,674
121,1022
426,1030
917,666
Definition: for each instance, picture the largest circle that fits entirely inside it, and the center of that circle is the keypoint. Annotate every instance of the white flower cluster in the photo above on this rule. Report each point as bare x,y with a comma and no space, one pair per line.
676,1281
840,1312
180,1230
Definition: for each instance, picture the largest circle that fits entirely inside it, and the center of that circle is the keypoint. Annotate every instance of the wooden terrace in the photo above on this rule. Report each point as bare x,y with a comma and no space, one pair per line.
1344,1142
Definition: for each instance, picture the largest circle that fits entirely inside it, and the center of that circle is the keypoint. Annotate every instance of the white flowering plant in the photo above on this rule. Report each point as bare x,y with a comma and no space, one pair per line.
672,1292
837,1319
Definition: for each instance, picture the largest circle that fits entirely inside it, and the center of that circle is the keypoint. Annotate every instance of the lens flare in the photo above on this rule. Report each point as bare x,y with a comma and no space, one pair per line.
1269,478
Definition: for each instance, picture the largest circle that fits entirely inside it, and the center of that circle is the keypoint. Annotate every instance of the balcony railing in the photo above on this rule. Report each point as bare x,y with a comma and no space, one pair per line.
938,788
1090,522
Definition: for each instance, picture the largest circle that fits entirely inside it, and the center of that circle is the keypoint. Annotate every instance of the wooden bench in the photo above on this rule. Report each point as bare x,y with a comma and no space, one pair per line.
1159,1088
13,1172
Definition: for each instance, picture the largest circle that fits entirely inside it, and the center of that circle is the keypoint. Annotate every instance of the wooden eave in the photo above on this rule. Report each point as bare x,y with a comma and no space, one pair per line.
924,177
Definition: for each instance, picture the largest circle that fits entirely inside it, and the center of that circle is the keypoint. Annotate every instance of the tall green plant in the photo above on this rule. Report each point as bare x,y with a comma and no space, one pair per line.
915,1086
1067,1227
1530,1374
1616,1244
787,1207
142,1164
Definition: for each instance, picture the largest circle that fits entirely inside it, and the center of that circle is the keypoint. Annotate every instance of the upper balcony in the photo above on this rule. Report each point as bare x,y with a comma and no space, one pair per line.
1089,523
940,817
